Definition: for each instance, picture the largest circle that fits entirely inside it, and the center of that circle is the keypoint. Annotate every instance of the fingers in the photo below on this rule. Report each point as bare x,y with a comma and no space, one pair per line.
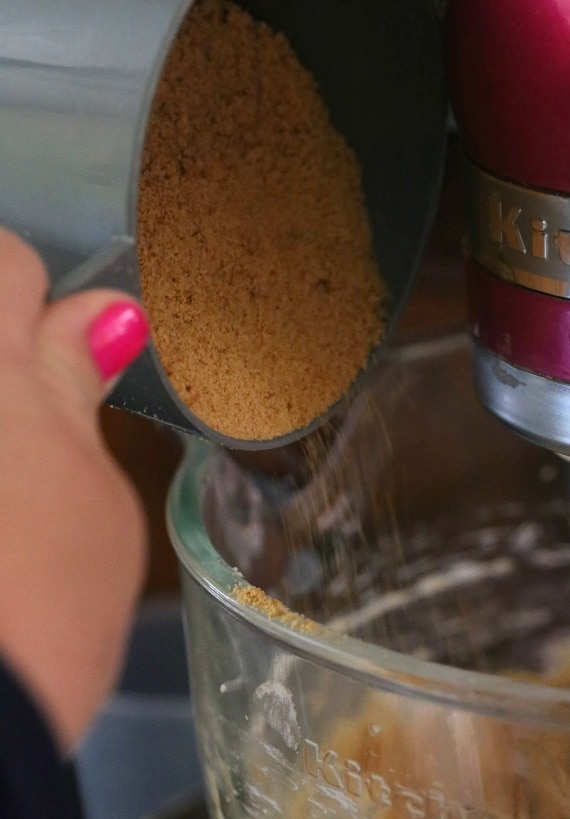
86,340
83,342
23,289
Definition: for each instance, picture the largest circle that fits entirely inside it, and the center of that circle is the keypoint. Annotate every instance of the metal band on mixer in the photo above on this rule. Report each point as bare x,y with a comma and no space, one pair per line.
520,234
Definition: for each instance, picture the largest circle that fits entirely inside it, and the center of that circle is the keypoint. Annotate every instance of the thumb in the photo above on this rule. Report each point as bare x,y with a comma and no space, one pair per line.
87,340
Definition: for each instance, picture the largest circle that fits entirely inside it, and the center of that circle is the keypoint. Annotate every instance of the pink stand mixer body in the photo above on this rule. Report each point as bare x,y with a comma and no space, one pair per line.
509,69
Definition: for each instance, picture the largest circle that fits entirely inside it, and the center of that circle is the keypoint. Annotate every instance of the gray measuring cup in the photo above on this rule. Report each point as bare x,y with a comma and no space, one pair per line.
76,87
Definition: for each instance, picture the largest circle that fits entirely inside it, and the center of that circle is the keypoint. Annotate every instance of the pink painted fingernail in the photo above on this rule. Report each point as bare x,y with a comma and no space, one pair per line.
117,336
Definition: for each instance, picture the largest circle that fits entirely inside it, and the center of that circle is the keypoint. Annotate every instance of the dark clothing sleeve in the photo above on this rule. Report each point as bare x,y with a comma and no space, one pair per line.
35,783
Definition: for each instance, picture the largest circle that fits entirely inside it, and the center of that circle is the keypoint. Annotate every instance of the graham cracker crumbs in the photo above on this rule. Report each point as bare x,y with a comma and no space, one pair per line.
255,252
260,601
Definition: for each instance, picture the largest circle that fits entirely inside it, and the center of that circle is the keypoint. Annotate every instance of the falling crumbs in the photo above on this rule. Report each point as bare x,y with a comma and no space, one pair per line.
256,258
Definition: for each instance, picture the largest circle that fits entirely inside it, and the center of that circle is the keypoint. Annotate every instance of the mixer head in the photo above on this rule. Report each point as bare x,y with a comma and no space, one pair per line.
509,75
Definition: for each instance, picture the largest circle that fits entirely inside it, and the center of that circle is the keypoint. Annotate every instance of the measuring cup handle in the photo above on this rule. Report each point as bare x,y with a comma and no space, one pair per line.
144,389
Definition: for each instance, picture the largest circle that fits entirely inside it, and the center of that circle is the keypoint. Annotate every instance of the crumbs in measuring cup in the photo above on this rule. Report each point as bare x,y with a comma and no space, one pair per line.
256,260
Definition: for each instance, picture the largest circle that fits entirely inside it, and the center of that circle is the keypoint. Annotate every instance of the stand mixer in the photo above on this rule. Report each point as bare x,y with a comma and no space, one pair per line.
509,69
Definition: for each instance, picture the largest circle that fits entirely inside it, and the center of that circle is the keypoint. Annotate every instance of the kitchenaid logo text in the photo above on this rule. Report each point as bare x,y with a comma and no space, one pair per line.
508,224
348,777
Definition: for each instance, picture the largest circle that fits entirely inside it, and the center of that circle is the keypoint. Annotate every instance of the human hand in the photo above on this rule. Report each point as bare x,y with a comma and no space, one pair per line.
72,550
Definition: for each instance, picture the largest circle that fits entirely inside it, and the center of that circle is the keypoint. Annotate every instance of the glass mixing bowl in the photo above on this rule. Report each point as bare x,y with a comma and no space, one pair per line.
419,671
